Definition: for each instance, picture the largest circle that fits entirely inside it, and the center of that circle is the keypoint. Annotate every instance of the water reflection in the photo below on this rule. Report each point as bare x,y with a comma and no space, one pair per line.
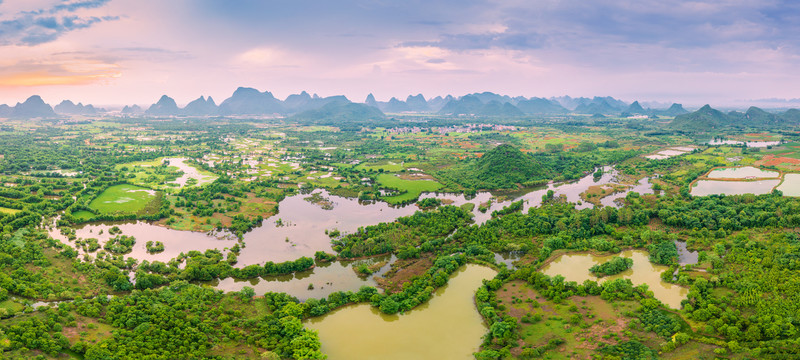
299,229
318,282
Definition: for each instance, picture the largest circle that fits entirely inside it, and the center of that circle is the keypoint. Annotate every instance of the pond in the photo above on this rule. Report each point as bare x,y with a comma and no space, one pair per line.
716,187
189,172
753,144
745,172
686,256
447,327
175,242
301,230
571,190
790,185
642,187
666,154
323,279
575,267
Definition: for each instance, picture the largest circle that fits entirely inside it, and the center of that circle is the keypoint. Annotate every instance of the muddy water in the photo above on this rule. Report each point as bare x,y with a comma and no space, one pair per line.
301,231
325,279
686,256
175,242
477,200
714,187
447,327
571,190
643,187
189,172
299,227
508,258
790,185
575,267
753,144
742,173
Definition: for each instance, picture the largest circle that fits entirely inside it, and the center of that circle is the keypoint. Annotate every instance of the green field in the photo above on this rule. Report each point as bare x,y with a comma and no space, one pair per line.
4,210
123,199
82,215
410,189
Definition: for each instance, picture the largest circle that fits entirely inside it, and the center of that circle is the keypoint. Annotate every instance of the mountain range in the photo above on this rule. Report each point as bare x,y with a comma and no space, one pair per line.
709,119
249,101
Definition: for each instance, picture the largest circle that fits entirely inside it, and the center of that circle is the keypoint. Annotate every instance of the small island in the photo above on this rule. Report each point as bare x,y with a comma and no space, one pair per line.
614,266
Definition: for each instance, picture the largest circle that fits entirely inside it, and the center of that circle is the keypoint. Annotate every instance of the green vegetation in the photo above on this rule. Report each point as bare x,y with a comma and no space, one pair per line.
409,189
124,199
612,267
742,298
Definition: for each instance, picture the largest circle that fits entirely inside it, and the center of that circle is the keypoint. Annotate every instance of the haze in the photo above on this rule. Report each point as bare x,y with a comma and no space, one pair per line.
124,52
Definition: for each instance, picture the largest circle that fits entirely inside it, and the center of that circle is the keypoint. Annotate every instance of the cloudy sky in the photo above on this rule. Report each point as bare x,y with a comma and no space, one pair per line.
133,51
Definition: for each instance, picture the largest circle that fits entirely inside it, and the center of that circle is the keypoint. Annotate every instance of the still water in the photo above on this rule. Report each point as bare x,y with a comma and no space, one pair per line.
716,187
447,327
742,173
790,185
299,227
316,283
575,267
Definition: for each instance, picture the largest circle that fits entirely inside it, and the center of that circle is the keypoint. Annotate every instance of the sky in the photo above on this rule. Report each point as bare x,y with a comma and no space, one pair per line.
114,52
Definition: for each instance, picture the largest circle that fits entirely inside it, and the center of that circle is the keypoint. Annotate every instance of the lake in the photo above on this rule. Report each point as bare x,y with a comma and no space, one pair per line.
447,327
575,267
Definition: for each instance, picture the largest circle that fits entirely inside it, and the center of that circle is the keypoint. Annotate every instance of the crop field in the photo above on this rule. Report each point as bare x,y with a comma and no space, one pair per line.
4,210
411,189
123,199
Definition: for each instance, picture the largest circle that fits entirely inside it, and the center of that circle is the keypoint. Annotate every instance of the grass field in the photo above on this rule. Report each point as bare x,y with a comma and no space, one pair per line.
82,215
4,210
411,189
123,199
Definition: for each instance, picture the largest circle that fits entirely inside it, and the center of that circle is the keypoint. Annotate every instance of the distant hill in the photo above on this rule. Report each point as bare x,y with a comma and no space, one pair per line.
417,103
5,110
395,106
132,110
674,110
297,101
597,107
487,97
792,116
371,100
636,109
33,107
69,108
339,112
704,119
503,167
756,116
249,101
707,118
472,105
436,104
165,106
496,108
201,107
536,106
570,103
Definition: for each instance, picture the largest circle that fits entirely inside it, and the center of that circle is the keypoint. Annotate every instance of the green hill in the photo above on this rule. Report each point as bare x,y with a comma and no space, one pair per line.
503,167
704,119
340,112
